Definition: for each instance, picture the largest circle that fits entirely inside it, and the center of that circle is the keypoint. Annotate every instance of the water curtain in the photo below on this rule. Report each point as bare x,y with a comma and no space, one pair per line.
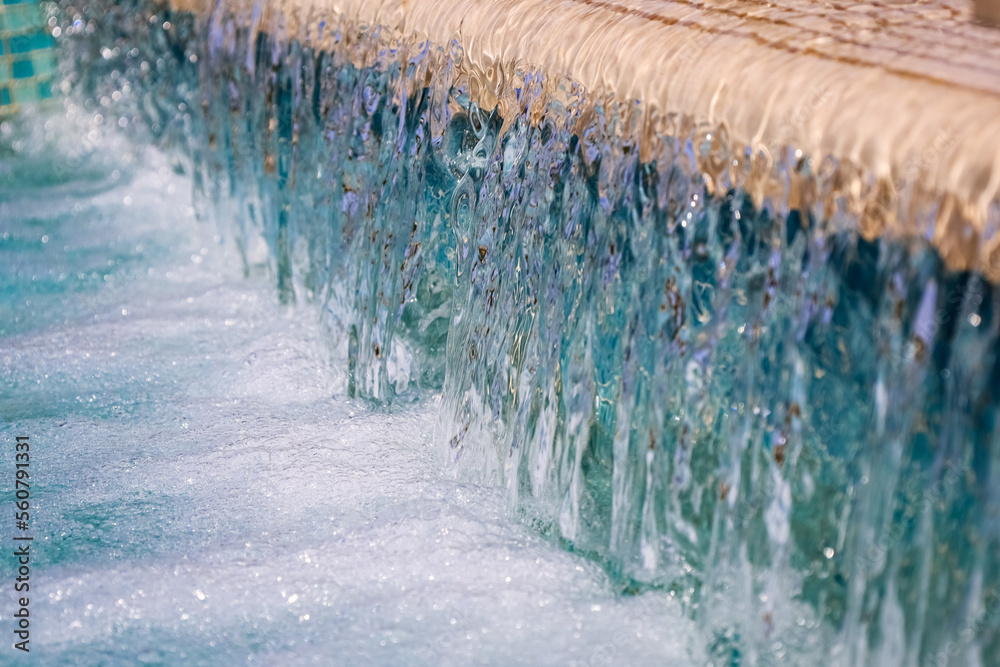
708,288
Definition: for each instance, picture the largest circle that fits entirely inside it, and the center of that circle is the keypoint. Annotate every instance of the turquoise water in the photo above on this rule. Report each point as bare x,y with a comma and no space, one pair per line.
204,490
726,401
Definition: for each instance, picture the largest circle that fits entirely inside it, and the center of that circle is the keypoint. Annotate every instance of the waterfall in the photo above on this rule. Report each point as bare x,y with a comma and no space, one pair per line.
685,358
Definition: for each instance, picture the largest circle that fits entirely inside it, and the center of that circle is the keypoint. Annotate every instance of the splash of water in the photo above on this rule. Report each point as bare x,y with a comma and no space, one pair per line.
720,391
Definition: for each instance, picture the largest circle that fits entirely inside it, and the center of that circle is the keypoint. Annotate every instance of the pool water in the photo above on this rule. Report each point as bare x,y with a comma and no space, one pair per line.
762,436
206,493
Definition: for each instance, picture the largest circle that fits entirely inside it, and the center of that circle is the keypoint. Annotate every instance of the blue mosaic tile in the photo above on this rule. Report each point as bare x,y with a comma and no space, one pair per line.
23,69
26,43
20,18
27,55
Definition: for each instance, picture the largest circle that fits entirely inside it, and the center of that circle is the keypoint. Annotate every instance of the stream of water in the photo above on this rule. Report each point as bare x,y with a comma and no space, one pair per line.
205,491
660,377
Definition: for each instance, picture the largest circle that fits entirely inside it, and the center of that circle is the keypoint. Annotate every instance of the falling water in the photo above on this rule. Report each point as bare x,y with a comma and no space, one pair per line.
677,357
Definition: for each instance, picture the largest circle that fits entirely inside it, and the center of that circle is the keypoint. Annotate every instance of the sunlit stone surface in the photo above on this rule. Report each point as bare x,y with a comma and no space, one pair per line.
706,379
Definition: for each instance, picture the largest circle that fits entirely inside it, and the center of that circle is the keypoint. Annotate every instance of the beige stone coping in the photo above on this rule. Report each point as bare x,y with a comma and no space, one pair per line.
904,91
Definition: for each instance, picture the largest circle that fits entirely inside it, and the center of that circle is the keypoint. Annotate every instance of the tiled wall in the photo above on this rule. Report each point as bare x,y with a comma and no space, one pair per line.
27,56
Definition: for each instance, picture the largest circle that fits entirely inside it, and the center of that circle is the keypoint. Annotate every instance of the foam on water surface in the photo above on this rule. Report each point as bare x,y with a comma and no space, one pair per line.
204,491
